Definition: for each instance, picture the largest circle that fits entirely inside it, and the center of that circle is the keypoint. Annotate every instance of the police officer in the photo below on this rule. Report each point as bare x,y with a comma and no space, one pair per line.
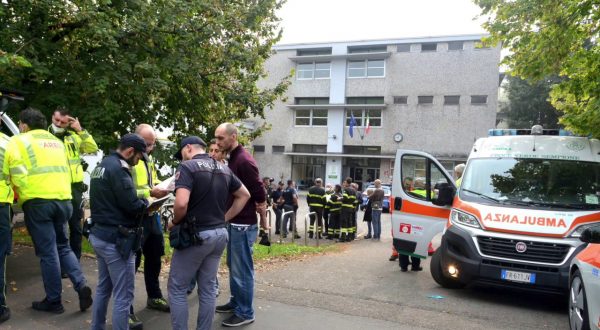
116,213
13,170
316,202
77,141
203,187
153,246
46,201
347,212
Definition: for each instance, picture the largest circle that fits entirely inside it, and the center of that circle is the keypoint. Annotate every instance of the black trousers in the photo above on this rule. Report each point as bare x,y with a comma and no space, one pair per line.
153,249
414,261
319,219
346,220
334,223
75,232
326,220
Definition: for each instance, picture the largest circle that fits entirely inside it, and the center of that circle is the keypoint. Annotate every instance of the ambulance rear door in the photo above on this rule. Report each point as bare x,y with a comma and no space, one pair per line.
419,183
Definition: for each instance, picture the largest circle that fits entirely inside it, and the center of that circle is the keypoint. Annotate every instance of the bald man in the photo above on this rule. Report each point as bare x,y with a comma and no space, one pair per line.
153,245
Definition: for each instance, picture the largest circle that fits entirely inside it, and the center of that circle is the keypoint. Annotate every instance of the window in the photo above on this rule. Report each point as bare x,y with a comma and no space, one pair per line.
311,117
455,45
429,47
278,149
314,148
400,99
366,68
427,99
404,48
312,52
311,100
451,99
361,115
313,70
259,148
370,49
478,99
364,100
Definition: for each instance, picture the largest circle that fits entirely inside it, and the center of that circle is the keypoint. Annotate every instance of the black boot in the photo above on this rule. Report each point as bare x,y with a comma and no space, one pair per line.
46,306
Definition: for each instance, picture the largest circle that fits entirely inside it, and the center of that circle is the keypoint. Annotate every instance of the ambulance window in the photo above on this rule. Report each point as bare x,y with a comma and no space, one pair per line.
414,169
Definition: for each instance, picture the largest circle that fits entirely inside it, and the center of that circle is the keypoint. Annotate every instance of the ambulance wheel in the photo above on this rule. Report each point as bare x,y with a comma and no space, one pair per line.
578,309
438,274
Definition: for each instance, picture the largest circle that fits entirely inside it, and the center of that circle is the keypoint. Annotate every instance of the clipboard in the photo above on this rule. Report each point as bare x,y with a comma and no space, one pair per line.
160,201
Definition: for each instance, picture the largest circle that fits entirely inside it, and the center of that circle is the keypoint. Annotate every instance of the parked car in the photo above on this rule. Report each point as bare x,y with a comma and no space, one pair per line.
584,284
387,192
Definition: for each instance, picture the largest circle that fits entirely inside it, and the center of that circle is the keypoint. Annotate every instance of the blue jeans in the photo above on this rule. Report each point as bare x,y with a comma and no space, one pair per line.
46,221
116,276
202,263
376,220
5,245
241,268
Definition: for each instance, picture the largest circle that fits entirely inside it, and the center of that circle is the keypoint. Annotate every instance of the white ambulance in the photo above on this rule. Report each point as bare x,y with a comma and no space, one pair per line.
525,198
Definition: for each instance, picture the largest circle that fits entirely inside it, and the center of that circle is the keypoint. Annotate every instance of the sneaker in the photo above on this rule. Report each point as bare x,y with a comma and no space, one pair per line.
46,306
4,313
159,304
235,321
135,323
393,257
85,298
227,308
368,237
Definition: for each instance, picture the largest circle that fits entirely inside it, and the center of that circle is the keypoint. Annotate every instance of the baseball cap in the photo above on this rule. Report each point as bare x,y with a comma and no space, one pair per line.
133,140
185,142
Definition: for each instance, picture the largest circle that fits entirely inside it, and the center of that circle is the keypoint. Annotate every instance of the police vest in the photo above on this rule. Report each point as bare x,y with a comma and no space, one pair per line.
48,175
75,145
144,177
12,170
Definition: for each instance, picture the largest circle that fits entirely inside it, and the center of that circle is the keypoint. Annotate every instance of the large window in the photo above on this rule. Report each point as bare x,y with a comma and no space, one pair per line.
311,117
313,70
361,115
366,68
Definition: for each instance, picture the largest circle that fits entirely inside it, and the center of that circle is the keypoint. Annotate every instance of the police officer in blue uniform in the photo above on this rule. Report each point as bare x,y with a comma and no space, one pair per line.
116,232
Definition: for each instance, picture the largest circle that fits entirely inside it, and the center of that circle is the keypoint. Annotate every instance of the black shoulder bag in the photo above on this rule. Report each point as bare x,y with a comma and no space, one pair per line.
183,235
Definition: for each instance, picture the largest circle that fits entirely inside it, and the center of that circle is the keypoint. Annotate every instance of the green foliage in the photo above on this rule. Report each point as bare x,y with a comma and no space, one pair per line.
189,65
554,38
528,103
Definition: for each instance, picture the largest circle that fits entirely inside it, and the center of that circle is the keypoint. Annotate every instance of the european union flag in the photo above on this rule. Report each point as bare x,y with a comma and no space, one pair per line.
352,124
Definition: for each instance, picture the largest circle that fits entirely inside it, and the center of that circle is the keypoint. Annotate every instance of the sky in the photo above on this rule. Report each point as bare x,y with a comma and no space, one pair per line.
306,21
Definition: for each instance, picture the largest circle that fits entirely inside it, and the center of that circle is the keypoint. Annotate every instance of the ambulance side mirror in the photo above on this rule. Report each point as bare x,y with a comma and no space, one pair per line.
446,194
591,235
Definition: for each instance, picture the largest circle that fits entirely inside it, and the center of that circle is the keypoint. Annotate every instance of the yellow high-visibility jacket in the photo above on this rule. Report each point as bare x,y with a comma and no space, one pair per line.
44,157
13,170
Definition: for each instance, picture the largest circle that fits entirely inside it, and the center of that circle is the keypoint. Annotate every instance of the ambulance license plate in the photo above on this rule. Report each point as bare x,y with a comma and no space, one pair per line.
510,275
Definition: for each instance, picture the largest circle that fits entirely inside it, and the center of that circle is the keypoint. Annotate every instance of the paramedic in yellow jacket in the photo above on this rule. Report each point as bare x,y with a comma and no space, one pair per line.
153,245
77,141
13,172
46,202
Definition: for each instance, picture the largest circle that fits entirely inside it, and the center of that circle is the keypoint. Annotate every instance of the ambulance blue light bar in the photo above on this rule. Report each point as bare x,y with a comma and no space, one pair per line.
505,132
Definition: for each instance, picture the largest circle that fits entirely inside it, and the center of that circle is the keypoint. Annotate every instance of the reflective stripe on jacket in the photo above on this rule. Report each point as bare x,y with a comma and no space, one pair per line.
48,175
142,180
13,170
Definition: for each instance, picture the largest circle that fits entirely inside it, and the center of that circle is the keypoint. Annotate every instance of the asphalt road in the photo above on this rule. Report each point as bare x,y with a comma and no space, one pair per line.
357,288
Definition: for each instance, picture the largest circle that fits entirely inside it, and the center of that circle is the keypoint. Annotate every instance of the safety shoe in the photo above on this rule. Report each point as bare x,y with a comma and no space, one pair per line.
235,321
227,308
310,235
393,257
135,323
4,313
296,236
159,304
416,269
46,306
85,298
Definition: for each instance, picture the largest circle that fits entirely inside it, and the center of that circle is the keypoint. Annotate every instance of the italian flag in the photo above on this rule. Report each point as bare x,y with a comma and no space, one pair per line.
367,125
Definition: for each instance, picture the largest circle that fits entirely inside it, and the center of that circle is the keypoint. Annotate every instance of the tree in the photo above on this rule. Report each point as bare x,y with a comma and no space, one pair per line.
189,65
528,103
553,38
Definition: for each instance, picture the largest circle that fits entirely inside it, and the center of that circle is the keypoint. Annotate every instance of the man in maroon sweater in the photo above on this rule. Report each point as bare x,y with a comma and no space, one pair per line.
242,229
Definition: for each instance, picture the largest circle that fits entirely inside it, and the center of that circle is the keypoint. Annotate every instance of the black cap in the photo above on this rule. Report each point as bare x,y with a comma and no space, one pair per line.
185,142
133,140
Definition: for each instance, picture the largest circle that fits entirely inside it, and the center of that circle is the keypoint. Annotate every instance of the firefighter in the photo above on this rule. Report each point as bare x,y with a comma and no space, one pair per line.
357,202
328,192
46,202
335,207
316,202
347,212
77,141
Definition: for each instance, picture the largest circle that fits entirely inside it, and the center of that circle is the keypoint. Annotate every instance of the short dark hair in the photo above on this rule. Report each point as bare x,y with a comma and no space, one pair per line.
348,180
289,182
33,118
63,111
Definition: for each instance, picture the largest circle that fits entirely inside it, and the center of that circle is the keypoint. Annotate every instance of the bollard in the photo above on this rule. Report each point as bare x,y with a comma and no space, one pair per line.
306,218
282,226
